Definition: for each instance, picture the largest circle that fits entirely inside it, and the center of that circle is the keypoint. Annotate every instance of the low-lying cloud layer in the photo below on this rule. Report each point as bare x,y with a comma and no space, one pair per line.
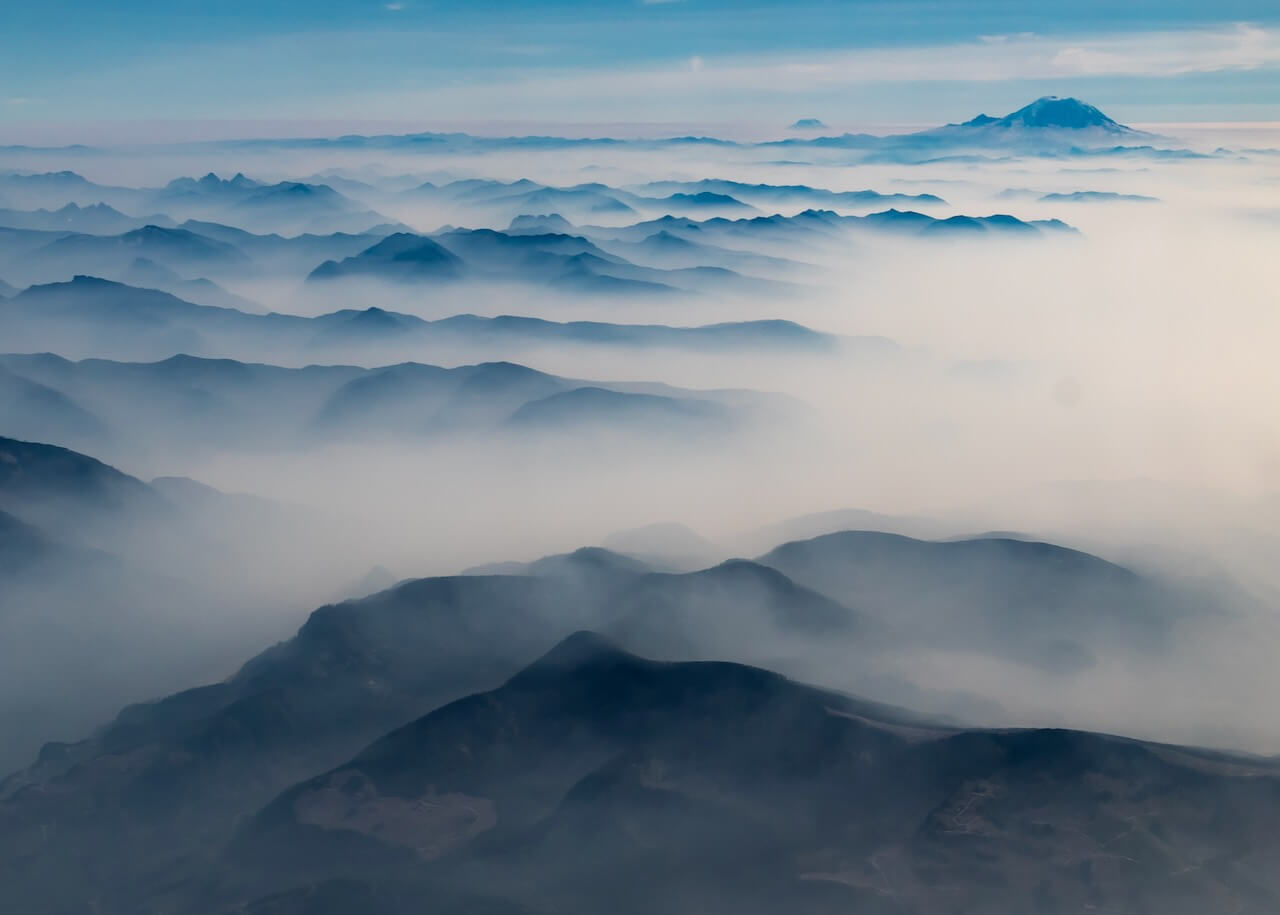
1108,388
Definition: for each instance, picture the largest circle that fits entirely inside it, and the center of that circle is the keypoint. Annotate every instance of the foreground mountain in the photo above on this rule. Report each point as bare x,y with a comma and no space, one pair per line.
72,493
595,780
73,607
173,776
113,589
175,784
668,778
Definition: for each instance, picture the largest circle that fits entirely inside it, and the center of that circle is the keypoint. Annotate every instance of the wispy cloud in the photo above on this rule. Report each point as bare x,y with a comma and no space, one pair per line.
994,59
1021,56
483,78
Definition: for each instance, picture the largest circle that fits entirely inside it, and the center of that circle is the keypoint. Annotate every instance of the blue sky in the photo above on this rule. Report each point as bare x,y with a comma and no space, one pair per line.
686,61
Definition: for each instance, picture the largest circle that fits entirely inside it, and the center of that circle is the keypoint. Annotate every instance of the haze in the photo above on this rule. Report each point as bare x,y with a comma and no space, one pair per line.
303,433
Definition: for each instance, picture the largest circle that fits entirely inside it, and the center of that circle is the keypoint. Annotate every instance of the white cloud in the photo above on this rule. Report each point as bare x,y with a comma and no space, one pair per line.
1000,39
1023,56
1244,47
992,59
885,85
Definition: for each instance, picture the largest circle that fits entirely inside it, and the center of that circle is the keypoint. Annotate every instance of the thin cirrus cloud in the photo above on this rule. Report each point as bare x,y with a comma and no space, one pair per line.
379,73
998,58
705,81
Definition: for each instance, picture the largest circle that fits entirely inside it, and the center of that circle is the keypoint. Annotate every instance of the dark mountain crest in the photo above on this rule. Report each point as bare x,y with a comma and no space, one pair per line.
151,230
34,471
63,177
403,244
102,294
546,222
100,208
82,280
375,316
665,237
524,238
582,649
500,375
211,182
407,253
172,239
589,558
704,197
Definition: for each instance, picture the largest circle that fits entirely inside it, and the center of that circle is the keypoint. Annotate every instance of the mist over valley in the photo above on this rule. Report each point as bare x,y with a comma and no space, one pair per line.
619,519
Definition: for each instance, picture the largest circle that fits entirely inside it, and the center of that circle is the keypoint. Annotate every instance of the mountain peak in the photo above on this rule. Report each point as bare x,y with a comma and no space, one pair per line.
1049,113
1066,113
82,281
581,649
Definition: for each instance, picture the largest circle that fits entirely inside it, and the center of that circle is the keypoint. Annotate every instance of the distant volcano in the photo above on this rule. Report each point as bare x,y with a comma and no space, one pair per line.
808,124
1052,112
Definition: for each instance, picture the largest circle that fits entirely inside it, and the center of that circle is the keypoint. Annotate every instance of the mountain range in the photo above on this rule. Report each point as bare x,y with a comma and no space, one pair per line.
287,206
89,314
229,404
454,736
217,241
593,778
187,403
1048,125
91,568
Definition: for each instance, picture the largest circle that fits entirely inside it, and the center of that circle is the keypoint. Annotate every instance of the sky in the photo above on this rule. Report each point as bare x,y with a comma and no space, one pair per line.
426,62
